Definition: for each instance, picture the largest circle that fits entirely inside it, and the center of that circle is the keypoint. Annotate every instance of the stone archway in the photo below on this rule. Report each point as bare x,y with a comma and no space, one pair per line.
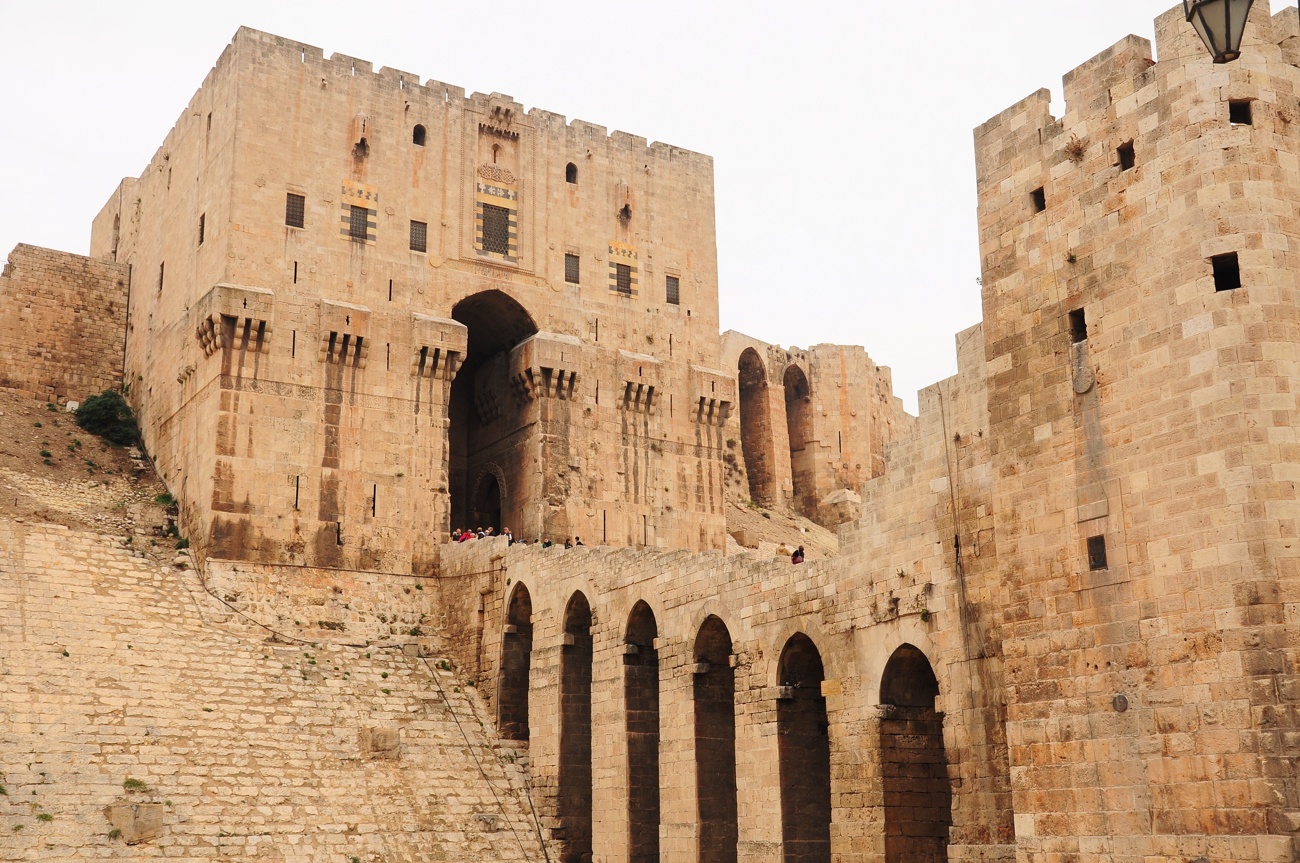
715,742
803,449
803,748
575,791
641,702
756,428
913,766
516,662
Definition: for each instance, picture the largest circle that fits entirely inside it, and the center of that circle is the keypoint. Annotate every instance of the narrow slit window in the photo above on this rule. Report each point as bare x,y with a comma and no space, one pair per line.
1127,159
672,289
496,229
419,236
1096,553
1078,326
571,173
1227,272
295,208
357,218
417,136
1239,112
571,269
1038,198
623,278
162,269
203,220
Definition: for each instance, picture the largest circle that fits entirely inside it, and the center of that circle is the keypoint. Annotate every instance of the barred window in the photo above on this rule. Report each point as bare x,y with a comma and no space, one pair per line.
357,223
571,269
295,206
673,285
496,229
624,278
419,236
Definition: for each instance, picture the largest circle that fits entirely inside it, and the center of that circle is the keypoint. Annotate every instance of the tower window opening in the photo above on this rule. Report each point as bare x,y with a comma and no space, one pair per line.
357,217
623,278
1227,272
419,236
572,265
672,287
295,207
1038,198
417,136
1078,326
1239,112
1096,552
496,229
203,221
1127,159
571,173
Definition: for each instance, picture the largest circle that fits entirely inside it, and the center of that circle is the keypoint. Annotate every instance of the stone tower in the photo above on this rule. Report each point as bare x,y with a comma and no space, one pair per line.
1140,294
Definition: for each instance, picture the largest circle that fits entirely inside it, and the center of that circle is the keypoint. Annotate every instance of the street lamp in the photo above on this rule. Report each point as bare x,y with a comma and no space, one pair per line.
1219,24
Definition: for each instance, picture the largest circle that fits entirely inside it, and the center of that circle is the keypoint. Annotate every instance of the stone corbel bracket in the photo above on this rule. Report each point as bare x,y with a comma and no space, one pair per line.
544,366
234,316
439,347
342,333
642,382
712,393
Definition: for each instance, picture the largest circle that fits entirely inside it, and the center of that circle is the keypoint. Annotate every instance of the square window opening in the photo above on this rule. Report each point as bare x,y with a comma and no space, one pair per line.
496,229
1038,198
1096,553
673,290
1078,326
623,278
1239,112
1127,159
419,236
572,269
357,218
1227,272
295,208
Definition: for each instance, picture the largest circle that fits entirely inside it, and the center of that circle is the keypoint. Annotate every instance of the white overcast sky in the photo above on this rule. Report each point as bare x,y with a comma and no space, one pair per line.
840,131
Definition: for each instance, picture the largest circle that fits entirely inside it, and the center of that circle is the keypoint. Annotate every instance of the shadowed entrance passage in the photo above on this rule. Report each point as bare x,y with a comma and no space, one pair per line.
715,742
483,436
914,770
575,733
803,744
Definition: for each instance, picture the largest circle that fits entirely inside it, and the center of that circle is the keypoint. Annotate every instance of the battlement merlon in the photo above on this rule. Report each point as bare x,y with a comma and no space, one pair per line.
407,85
1105,86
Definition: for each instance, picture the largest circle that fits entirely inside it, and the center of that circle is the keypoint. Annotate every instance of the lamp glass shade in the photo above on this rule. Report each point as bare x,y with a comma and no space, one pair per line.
1220,24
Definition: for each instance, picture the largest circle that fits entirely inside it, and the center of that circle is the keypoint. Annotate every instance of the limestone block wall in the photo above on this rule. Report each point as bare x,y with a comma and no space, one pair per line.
63,325
1141,407
243,745
813,423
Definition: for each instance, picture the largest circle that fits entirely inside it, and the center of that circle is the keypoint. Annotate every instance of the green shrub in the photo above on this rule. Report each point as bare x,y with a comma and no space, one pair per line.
134,785
109,416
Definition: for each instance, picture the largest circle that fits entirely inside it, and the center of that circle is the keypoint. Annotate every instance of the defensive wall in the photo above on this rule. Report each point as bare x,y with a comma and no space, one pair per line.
64,322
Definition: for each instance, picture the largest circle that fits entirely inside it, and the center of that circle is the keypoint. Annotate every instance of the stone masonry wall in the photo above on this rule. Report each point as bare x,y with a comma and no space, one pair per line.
62,323
244,746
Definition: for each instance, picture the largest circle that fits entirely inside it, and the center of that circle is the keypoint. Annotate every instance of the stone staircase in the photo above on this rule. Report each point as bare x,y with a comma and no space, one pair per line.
140,719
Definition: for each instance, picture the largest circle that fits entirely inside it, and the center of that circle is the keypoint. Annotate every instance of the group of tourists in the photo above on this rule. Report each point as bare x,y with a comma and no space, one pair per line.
469,535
